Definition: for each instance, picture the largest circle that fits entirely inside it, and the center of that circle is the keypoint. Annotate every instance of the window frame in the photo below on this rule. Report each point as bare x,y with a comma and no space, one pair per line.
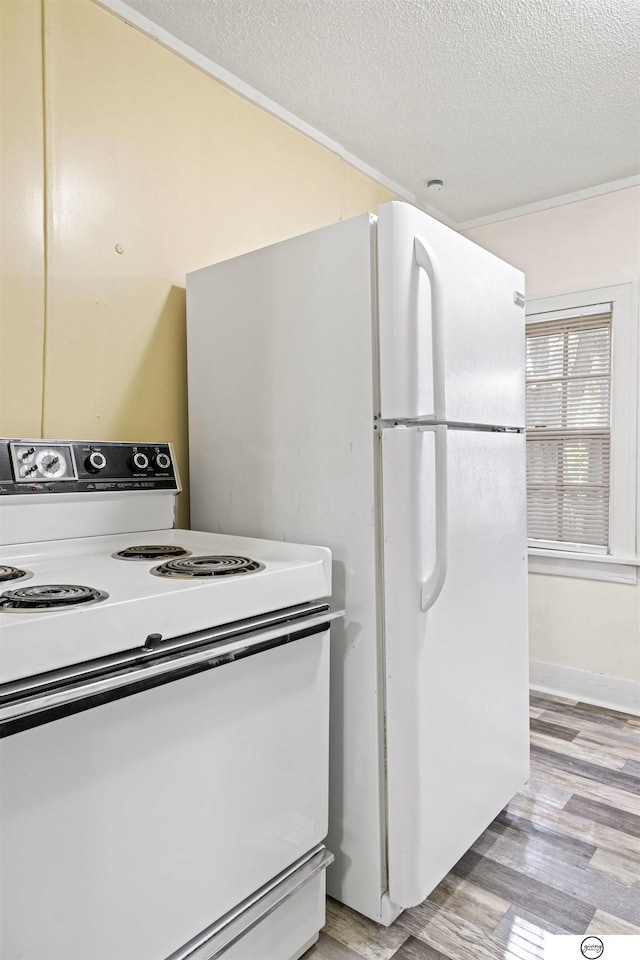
619,563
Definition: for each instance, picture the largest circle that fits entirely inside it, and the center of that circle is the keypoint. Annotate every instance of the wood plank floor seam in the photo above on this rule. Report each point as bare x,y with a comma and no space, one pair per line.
563,857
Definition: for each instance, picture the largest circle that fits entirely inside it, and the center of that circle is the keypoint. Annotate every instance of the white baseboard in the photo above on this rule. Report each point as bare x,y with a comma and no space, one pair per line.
616,693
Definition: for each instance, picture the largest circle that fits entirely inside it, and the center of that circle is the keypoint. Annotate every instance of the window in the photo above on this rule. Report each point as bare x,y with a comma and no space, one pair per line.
568,428
581,434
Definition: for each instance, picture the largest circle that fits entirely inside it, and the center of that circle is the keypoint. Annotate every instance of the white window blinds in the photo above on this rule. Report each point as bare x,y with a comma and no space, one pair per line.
569,429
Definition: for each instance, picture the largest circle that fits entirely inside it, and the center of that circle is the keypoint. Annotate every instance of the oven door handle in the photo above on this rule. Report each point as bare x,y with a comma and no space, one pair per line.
31,709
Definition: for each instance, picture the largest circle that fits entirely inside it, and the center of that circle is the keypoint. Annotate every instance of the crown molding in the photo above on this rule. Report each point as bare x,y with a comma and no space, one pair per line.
124,12
247,92
560,201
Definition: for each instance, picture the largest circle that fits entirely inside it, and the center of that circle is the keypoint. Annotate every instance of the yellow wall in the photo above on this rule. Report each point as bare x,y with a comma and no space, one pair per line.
22,295
154,169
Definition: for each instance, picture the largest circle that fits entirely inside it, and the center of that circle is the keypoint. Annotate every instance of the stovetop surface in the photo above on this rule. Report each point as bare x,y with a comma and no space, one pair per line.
90,561
140,603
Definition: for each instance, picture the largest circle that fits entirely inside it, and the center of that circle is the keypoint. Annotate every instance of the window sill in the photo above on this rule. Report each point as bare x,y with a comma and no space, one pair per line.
560,563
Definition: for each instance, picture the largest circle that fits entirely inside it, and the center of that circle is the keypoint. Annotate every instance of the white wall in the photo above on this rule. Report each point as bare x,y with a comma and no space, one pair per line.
585,634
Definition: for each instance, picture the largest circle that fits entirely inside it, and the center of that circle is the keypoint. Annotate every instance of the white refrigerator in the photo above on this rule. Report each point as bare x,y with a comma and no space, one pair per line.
362,387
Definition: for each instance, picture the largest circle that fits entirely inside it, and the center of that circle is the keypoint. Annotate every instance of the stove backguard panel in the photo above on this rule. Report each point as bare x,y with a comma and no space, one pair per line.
60,489
29,467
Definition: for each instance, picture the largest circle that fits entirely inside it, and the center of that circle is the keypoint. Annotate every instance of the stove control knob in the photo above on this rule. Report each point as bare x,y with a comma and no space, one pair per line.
162,461
95,462
139,461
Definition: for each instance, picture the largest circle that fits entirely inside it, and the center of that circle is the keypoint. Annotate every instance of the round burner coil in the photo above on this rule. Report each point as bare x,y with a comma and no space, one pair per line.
7,572
50,596
211,566
147,551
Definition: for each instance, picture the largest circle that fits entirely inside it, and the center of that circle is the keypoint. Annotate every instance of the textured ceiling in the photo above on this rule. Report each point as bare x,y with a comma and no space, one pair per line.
510,102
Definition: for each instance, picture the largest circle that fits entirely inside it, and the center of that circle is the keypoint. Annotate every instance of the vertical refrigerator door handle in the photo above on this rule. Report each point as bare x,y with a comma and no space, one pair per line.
431,587
427,261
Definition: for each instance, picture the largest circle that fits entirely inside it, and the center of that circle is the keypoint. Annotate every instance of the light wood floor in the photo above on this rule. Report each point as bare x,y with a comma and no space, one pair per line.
564,857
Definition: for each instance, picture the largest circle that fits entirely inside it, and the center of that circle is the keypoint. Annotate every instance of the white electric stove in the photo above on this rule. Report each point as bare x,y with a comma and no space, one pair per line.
163,719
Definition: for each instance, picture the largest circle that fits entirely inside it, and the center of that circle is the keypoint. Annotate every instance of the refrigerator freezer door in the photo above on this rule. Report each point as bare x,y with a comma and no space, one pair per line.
451,333
456,673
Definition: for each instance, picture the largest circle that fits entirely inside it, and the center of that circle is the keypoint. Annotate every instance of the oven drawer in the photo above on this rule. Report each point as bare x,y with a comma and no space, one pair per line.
286,933
128,828
279,922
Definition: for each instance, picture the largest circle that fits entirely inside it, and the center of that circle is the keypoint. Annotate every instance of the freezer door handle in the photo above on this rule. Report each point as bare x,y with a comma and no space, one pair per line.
431,587
427,261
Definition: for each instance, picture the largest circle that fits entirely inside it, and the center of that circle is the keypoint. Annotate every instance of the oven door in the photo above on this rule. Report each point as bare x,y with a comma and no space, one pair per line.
172,795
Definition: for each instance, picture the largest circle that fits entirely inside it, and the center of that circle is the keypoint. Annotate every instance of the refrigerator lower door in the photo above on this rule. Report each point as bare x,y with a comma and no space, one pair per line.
456,653
468,369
